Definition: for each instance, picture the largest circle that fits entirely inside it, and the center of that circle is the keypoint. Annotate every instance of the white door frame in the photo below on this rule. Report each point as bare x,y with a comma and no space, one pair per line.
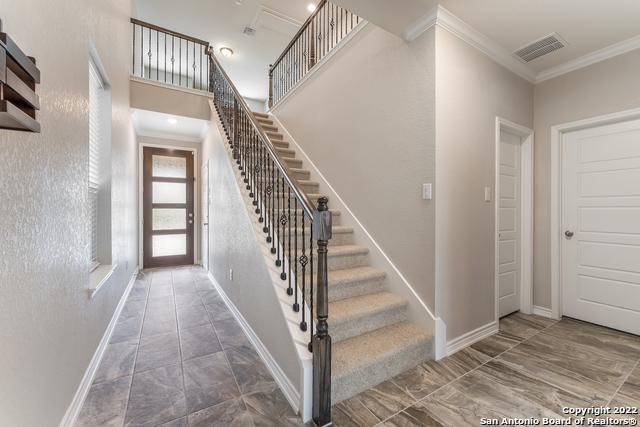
556,192
204,258
526,213
196,214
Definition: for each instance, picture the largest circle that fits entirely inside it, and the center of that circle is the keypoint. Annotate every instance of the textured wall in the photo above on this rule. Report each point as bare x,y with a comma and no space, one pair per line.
366,119
234,245
49,328
471,90
606,87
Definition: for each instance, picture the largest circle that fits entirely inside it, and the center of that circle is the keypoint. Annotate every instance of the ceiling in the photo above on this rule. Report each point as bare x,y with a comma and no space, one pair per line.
586,25
221,22
168,126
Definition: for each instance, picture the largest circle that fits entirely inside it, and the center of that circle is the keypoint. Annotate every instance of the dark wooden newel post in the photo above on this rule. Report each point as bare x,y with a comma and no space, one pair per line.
321,343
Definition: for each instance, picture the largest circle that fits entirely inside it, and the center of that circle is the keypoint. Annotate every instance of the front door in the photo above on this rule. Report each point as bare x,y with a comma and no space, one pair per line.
600,231
509,225
168,207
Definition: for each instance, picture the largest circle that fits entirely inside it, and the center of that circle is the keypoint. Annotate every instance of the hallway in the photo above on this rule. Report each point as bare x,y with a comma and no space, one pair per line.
177,355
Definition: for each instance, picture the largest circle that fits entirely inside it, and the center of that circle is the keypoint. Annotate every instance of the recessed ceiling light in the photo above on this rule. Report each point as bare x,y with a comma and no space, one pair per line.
172,121
311,7
225,51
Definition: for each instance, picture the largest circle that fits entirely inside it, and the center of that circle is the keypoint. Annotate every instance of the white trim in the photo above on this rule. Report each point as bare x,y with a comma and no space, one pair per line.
414,30
100,276
484,44
288,389
440,339
542,311
526,213
420,312
556,193
471,337
74,408
196,214
590,59
204,93
448,21
299,84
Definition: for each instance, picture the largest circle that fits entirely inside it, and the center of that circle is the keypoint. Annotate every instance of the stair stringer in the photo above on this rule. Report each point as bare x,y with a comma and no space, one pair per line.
300,399
419,312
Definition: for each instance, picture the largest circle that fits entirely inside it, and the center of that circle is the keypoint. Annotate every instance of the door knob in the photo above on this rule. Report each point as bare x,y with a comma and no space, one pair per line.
568,233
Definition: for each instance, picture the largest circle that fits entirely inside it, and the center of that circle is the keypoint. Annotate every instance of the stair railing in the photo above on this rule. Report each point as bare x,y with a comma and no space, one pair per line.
170,57
327,26
293,224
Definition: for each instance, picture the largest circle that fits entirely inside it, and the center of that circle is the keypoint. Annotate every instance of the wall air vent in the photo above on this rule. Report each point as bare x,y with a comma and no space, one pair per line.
249,31
540,47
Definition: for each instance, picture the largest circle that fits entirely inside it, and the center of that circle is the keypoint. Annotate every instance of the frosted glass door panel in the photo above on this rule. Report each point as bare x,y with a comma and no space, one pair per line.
169,244
169,192
169,219
169,167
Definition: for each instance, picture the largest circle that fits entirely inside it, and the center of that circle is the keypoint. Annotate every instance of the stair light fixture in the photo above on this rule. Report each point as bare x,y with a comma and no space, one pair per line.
172,121
226,52
311,7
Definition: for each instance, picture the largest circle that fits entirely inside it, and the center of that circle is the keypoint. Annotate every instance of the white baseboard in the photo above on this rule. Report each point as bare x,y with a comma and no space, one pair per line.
278,375
73,411
471,337
543,311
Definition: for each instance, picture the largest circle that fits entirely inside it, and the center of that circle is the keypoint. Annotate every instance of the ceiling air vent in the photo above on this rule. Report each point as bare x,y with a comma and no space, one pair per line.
540,47
249,31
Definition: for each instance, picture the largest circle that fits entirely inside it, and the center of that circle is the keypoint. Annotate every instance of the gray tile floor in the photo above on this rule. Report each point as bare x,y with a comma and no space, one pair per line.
532,368
178,357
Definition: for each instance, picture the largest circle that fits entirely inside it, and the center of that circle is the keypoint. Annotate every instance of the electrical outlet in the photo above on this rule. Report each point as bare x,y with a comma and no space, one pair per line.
427,191
487,194
231,274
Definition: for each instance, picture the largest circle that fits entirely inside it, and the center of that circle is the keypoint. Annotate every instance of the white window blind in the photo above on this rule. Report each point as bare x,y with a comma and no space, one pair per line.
96,142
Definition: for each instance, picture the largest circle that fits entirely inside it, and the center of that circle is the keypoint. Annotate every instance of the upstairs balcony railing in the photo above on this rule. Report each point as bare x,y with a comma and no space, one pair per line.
319,34
169,57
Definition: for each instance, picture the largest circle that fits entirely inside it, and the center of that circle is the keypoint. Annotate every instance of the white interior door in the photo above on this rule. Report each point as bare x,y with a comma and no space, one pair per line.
509,221
601,225
206,199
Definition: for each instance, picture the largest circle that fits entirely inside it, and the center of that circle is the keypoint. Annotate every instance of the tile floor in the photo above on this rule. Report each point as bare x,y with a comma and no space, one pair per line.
177,357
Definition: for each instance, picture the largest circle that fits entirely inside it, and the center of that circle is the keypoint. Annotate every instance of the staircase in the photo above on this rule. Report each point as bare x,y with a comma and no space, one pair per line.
372,338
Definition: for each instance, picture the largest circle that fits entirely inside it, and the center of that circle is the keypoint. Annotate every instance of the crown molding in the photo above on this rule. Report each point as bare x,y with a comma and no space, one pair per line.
448,21
493,50
590,59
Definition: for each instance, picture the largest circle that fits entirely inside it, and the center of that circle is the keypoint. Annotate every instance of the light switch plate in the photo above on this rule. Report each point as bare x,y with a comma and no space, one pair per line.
427,191
231,274
487,194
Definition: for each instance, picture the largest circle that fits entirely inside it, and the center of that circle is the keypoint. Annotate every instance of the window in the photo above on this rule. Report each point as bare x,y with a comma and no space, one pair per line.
99,176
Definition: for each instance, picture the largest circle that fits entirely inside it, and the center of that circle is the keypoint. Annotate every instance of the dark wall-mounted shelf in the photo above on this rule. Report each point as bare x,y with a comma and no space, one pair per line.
18,78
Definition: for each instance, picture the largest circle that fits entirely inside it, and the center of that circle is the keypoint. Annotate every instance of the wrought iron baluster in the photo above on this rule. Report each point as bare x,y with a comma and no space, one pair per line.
303,263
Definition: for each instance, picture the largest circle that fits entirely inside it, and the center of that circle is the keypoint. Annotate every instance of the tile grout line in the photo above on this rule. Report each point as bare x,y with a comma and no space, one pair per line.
144,313
215,330
184,387
463,375
613,396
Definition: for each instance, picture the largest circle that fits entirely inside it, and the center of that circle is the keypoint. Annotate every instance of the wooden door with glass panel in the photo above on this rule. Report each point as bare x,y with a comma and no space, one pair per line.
168,207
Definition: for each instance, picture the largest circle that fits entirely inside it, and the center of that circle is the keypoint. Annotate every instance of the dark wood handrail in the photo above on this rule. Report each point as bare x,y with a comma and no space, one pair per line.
300,30
307,204
170,32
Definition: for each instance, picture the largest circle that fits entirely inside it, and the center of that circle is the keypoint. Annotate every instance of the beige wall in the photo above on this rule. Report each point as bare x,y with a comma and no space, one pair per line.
606,87
198,187
169,100
234,245
366,119
471,90
49,327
